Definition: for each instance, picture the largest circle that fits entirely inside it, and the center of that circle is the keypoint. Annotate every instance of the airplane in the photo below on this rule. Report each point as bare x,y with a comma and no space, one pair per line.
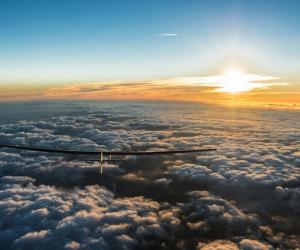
102,154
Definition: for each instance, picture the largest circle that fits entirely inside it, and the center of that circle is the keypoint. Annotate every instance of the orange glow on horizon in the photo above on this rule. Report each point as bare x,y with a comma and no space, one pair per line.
232,88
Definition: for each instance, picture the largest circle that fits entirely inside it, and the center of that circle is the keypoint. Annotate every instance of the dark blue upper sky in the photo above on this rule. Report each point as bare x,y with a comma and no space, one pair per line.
67,40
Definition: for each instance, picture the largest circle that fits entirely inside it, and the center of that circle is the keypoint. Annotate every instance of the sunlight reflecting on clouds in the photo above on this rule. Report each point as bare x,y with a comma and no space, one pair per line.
249,89
233,81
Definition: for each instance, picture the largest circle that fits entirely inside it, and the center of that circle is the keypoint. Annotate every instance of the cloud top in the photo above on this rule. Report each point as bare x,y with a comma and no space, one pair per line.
186,202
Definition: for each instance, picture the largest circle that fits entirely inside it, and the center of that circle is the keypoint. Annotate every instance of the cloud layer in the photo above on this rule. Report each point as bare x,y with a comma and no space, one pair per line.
244,196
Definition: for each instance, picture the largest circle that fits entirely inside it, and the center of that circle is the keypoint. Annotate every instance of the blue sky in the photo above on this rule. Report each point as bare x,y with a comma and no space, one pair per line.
75,41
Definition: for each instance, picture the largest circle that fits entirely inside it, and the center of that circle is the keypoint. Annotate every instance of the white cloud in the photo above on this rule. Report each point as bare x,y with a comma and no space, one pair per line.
45,217
168,34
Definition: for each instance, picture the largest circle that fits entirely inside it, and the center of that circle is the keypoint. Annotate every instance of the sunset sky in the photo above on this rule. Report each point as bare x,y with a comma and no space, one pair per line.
212,51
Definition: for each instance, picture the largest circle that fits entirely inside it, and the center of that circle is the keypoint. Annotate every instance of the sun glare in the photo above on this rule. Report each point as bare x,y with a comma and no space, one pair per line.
235,81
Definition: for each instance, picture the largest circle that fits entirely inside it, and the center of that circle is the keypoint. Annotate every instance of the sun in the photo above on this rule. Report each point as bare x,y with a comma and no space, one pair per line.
235,81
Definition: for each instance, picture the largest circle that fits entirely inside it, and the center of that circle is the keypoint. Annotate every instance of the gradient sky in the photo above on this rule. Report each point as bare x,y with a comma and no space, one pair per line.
58,42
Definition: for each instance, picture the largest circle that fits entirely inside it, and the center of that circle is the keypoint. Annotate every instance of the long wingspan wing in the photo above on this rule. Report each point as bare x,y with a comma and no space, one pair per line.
76,152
